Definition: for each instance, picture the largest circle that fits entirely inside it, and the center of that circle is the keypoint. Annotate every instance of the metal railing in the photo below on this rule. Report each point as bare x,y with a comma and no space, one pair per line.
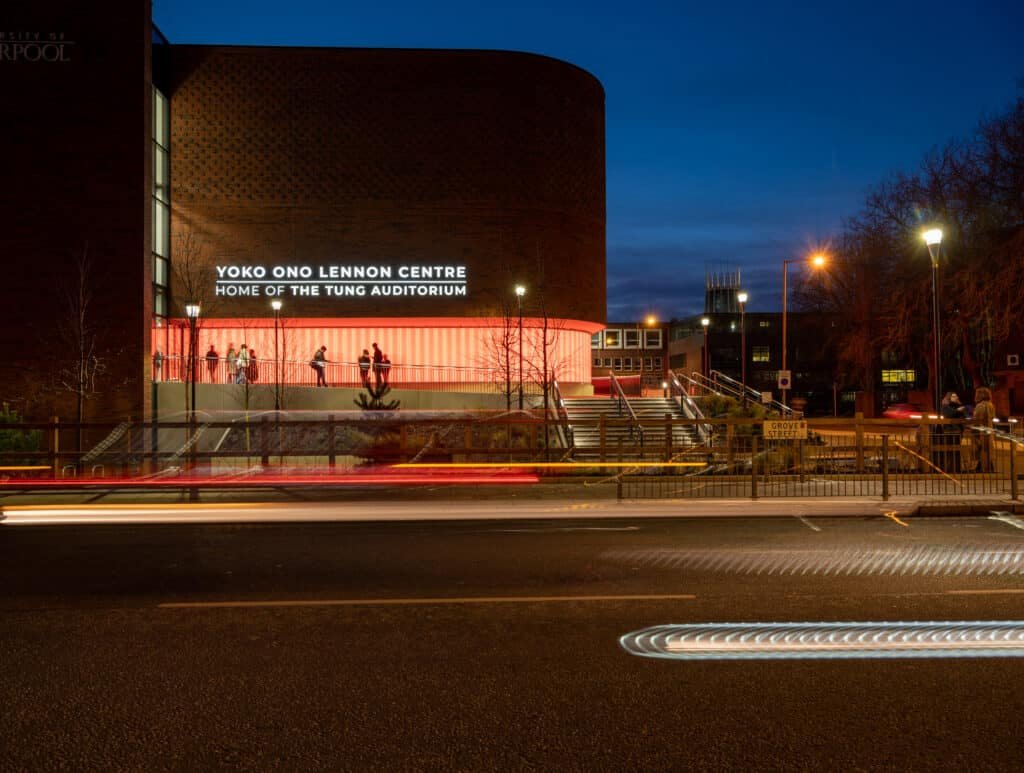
562,416
175,368
862,457
739,389
617,394
688,405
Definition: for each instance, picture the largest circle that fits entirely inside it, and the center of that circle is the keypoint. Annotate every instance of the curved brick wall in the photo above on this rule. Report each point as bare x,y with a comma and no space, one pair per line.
490,160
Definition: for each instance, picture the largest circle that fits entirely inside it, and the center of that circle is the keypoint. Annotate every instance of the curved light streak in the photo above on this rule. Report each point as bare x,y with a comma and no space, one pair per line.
794,641
924,560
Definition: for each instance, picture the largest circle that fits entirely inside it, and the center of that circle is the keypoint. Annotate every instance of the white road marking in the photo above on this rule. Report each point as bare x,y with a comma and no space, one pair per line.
1005,517
807,523
417,601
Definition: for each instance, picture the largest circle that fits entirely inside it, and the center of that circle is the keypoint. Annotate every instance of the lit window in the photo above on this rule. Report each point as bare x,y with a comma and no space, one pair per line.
613,339
760,354
632,339
899,376
764,323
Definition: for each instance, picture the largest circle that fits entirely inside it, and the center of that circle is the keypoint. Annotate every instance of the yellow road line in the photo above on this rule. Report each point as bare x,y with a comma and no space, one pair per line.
416,601
891,514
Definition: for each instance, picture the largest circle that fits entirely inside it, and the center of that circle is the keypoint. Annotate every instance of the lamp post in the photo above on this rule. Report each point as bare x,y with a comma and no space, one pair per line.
276,306
705,360
520,292
650,321
817,261
933,238
742,298
192,312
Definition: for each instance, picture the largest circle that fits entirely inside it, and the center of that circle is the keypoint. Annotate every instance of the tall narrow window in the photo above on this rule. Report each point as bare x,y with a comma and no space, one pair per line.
161,247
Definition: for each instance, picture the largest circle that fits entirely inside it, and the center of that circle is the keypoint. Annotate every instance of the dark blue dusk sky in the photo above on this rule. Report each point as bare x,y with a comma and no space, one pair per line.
738,133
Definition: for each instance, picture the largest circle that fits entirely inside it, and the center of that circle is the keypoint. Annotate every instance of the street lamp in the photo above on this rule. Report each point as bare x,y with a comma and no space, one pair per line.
276,306
192,312
742,298
933,238
520,292
816,261
706,358
650,321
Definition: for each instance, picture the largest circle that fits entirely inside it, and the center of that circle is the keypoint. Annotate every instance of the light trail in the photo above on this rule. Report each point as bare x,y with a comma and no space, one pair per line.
925,560
792,641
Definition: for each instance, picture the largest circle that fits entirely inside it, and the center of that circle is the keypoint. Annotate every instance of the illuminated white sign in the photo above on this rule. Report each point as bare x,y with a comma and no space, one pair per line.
340,281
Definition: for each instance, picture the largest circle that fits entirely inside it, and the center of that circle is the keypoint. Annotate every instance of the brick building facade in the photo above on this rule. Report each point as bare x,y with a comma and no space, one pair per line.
176,164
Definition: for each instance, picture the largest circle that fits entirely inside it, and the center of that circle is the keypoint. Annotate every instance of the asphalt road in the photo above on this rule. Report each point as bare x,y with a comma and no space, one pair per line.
495,645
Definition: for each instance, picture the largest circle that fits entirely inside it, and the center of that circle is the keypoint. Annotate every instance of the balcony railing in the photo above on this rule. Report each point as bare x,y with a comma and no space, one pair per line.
336,374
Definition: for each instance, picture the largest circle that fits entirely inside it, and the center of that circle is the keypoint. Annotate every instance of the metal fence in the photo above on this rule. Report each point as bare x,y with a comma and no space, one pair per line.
730,458
841,458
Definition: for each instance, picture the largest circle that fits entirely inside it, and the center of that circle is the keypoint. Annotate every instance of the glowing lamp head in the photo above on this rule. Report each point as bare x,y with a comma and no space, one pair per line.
664,385
705,321
275,305
742,297
651,319
520,290
191,310
933,237
818,261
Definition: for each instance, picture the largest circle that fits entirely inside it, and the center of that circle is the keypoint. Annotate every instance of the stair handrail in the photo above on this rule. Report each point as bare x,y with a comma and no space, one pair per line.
751,393
564,427
721,389
689,406
619,396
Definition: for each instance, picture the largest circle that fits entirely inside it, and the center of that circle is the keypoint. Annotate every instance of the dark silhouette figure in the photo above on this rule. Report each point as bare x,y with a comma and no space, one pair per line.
212,358
364,367
319,364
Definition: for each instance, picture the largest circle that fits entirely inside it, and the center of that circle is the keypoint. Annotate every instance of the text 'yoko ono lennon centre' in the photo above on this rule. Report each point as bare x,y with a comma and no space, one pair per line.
163,200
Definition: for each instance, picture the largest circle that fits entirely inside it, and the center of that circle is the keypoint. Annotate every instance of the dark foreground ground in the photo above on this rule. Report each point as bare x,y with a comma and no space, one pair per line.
96,674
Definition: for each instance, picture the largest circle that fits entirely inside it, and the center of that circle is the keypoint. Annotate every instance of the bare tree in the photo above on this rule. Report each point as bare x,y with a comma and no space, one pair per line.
80,365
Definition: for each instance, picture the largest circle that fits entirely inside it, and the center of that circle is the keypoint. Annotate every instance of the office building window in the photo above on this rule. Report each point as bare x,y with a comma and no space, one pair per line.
652,339
899,376
612,339
597,340
618,363
627,363
760,354
632,339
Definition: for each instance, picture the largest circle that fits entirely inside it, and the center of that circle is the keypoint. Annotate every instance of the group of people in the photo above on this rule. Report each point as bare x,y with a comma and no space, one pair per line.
242,365
379,364
948,438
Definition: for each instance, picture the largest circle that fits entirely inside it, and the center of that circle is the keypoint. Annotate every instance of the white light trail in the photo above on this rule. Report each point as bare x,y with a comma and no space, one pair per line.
924,560
790,641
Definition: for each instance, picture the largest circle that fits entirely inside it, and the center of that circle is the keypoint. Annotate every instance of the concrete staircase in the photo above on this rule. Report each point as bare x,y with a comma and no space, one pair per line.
585,414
